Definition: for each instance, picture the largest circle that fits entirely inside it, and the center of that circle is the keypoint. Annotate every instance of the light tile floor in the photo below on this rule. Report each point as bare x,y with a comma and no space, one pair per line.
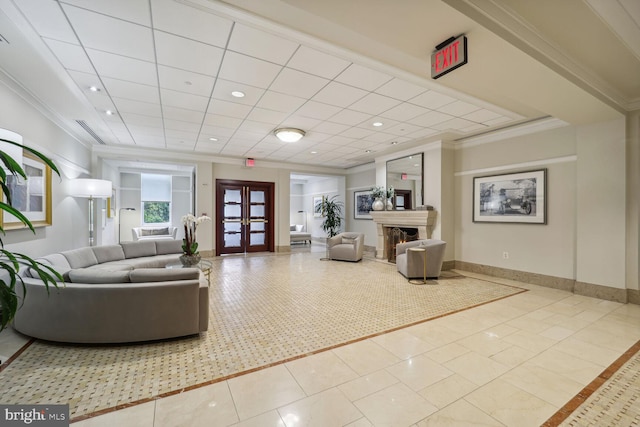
513,362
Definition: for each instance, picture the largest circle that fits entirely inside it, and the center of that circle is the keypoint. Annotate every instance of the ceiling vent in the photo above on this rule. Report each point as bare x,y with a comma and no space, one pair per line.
90,131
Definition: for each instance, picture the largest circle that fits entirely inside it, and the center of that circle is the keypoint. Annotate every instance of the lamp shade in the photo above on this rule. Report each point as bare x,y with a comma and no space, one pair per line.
85,187
289,134
11,150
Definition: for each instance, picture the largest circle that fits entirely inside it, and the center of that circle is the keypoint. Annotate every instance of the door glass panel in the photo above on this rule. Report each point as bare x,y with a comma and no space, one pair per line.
232,240
257,238
232,211
232,227
232,196
257,197
257,226
257,211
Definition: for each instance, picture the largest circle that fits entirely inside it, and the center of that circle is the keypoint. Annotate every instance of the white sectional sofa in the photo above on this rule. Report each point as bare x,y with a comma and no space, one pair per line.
115,294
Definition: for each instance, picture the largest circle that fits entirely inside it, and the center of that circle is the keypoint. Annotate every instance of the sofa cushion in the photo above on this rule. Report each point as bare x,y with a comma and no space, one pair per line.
56,261
292,227
165,247
138,249
108,253
80,258
98,276
163,274
154,231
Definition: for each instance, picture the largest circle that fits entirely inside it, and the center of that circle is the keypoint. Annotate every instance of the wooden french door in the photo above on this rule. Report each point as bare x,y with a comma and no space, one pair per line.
244,216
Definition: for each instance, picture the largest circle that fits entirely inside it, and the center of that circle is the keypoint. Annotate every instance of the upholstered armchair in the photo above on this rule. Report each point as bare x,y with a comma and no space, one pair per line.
411,263
346,246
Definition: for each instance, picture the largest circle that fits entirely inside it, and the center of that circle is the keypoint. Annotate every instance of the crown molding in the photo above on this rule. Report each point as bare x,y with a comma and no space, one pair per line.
539,125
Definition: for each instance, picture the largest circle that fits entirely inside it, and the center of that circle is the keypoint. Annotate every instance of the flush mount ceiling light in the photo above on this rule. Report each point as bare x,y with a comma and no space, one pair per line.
237,94
289,134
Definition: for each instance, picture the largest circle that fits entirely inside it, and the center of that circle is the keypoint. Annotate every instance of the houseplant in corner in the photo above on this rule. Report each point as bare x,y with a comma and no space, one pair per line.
331,209
190,255
10,262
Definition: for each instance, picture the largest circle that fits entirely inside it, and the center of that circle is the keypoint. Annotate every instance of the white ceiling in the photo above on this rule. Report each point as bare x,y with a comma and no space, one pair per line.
167,69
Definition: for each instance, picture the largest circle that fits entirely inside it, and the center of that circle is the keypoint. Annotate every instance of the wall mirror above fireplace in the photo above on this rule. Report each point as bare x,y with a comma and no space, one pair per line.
405,175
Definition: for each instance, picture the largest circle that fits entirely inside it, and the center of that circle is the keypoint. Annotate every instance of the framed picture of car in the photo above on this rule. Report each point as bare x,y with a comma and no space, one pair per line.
511,198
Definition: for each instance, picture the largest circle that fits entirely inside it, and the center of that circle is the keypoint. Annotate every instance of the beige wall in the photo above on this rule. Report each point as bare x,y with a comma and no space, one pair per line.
633,205
543,249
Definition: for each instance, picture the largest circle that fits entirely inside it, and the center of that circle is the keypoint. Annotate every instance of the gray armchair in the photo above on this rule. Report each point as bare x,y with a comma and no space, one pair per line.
346,246
411,264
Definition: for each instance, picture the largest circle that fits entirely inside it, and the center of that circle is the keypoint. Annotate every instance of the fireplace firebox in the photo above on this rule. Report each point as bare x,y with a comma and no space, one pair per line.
397,235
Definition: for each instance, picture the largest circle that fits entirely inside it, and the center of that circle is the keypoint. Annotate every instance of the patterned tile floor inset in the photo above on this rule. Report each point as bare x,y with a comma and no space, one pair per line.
263,310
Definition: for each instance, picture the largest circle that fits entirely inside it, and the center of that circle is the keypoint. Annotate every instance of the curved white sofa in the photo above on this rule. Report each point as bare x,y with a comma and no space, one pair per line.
154,233
115,294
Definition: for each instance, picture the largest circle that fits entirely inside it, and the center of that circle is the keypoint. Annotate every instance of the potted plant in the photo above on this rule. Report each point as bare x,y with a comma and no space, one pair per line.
378,193
10,262
331,209
190,255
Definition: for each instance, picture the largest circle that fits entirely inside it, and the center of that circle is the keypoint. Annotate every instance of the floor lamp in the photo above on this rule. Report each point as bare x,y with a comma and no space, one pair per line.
120,221
91,189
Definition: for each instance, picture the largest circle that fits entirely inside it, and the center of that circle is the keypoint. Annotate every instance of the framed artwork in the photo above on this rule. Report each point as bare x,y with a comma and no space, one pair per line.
512,198
317,200
32,196
362,201
111,204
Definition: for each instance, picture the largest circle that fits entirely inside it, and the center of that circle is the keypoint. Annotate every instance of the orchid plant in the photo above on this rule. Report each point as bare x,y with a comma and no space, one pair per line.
190,222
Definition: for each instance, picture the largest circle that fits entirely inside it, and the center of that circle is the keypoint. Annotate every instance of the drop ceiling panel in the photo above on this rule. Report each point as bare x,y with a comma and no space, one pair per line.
350,117
130,106
123,68
141,120
134,11
187,101
48,18
432,100
181,126
300,122
111,35
261,44
404,111
280,102
182,114
71,56
247,70
317,110
399,89
374,104
190,22
339,94
481,115
222,121
317,63
362,77
133,91
230,109
266,116
458,108
430,118
185,81
191,55
330,128
297,83
223,89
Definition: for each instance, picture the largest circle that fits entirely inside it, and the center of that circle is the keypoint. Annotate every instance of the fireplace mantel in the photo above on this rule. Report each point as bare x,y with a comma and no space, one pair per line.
424,221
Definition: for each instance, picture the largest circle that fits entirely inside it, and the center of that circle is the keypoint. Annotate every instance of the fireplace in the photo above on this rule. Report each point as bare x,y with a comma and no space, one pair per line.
397,235
422,220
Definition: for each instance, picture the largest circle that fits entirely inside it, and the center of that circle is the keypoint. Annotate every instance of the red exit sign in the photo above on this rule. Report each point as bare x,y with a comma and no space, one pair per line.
448,56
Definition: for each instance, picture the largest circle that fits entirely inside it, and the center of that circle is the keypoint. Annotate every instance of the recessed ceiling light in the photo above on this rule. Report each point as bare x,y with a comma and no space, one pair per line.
237,94
377,124
94,88
213,139
394,143
314,152
368,151
109,113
